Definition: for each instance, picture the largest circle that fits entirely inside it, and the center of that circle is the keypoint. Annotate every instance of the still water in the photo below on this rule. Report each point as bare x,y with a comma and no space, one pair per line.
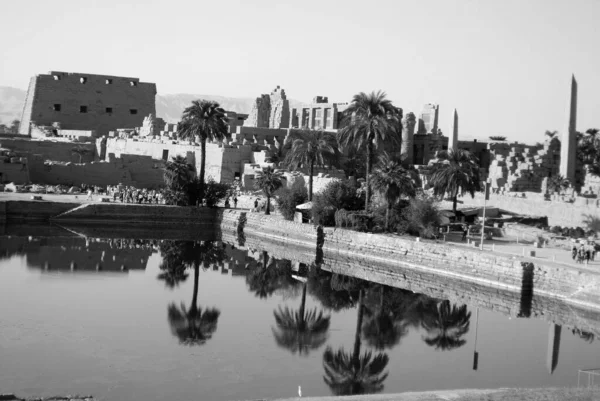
163,319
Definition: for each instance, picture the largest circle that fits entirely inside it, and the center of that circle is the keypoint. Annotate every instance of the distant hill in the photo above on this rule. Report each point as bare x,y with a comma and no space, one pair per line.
168,107
11,104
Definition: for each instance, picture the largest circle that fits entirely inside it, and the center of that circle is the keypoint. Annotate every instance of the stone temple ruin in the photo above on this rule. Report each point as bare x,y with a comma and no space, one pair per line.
109,124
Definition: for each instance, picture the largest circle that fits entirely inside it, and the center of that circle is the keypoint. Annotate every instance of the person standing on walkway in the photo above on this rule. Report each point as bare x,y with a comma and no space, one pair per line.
256,205
465,232
235,201
89,193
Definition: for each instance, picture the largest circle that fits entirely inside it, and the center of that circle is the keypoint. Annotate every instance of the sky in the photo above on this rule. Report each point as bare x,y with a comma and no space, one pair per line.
504,65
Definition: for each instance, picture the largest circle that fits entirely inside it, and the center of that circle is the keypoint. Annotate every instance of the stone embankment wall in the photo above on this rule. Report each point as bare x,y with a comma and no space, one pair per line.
393,256
14,172
32,211
559,213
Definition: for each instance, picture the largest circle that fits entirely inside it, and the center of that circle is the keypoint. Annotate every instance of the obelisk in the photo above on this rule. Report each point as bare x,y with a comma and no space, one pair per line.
568,142
453,140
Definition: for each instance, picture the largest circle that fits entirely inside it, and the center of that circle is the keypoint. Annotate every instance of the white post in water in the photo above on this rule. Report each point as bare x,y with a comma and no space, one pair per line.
484,205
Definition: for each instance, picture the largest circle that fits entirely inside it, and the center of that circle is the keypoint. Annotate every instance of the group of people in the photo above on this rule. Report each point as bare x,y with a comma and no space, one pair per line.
129,194
584,254
228,203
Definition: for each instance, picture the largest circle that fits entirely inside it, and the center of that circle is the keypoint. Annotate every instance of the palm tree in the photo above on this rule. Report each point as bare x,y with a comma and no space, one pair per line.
446,326
353,373
456,173
588,145
178,174
206,119
370,121
269,276
310,147
268,180
391,181
301,330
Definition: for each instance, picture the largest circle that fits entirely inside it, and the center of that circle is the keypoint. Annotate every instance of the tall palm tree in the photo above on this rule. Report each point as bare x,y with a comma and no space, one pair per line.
206,119
455,174
391,181
446,326
309,148
370,121
269,180
588,146
353,373
301,331
195,326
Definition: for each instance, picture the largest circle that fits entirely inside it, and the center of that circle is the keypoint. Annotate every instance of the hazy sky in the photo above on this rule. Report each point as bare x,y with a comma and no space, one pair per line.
504,64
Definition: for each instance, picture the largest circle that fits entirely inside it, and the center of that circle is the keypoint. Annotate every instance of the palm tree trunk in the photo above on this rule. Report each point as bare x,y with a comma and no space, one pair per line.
268,209
387,216
367,192
303,304
265,259
359,320
454,200
202,167
194,306
310,181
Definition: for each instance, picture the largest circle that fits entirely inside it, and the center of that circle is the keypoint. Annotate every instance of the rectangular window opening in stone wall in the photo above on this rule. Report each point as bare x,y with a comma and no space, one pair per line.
109,110
132,111
83,109
109,81
83,80
57,107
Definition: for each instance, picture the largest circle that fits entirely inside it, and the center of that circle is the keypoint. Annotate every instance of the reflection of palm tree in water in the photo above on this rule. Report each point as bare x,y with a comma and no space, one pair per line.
300,331
446,326
195,326
384,326
270,276
348,374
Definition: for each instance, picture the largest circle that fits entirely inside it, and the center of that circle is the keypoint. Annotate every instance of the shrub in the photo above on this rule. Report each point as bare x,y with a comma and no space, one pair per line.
214,192
335,196
421,217
395,215
289,198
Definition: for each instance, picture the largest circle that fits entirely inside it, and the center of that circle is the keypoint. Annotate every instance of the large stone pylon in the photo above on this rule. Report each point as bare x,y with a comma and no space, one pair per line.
568,143
453,139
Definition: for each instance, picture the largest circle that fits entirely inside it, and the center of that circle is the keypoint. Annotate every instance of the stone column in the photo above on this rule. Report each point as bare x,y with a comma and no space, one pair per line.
453,139
408,130
568,143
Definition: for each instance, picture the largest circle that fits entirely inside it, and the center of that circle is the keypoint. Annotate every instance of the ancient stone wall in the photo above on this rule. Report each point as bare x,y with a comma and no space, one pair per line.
17,172
280,109
260,114
138,171
59,150
521,168
87,102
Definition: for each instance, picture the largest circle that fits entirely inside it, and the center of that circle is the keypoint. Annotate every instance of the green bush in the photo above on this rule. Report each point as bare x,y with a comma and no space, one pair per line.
214,192
335,196
289,198
421,217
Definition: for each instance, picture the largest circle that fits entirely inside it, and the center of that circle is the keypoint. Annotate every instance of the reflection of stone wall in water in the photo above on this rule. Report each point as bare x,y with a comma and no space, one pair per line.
67,253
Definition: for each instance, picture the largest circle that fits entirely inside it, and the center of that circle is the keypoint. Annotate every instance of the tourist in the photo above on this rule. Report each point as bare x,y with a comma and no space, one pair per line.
235,201
465,232
227,205
89,193
574,252
256,205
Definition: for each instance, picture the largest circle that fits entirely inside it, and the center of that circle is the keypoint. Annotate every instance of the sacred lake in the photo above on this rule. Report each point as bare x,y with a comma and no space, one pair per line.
164,314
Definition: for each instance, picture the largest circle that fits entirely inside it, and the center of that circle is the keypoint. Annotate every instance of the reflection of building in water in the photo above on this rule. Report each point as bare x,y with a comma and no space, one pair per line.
553,347
66,253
